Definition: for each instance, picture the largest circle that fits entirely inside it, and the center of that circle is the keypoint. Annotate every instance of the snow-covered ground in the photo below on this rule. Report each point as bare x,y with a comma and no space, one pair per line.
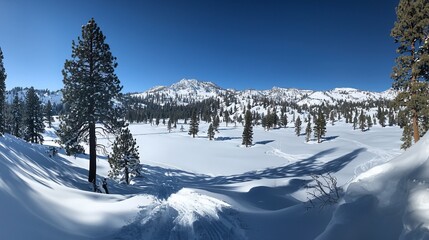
201,189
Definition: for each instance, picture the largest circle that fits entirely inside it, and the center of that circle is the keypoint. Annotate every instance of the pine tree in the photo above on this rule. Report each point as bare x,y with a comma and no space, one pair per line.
308,130
369,122
48,113
410,73
284,120
332,118
391,118
248,129
124,160
320,126
2,94
193,125
90,91
16,117
211,132
34,126
355,120
298,126
362,121
216,121
169,125
381,116
226,117
268,120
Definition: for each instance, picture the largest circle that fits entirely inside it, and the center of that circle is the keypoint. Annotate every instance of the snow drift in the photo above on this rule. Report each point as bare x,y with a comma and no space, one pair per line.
389,201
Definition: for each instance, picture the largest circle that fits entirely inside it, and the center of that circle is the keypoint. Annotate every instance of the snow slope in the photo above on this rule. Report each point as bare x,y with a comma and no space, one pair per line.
389,201
200,189
198,91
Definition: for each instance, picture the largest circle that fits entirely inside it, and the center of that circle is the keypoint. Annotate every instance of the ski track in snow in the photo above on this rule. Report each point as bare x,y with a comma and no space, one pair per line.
381,156
289,157
185,215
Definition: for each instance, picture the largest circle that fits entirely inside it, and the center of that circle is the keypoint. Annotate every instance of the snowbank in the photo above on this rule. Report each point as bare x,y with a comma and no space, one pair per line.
389,201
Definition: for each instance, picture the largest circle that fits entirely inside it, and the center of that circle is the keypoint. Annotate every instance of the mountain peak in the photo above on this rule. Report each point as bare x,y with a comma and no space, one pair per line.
194,85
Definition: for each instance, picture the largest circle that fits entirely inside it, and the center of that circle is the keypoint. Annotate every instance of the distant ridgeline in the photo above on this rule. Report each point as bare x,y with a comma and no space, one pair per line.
179,100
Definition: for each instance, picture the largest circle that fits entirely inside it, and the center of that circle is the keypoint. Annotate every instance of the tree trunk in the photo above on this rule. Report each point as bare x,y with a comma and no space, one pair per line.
92,153
413,93
415,127
127,177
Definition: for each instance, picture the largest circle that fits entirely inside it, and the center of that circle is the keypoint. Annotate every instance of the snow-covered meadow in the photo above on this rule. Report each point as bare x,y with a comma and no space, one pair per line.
193,188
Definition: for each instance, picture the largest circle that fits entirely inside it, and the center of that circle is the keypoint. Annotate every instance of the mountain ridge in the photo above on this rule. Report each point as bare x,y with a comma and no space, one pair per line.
200,90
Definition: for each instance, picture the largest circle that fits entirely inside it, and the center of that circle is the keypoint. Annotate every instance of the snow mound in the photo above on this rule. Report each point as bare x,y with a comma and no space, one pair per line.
185,215
389,201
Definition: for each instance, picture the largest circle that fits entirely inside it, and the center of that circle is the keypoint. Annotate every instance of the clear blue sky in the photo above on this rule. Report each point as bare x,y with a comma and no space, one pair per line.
241,44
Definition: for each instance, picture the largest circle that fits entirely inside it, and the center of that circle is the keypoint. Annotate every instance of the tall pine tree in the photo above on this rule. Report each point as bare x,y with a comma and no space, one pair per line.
2,94
410,74
308,130
16,117
320,126
298,126
193,125
90,91
362,121
124,160
210,132
34,126
248,129
48,113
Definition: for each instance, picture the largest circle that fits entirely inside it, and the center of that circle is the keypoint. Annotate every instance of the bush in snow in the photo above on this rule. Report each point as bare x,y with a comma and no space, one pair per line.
324,192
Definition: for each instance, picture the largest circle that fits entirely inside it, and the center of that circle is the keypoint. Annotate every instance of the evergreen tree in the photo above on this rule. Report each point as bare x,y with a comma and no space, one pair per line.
193,125
410,73
308,130
2,94
391,118
124,160
381,116
48,113
34,126
16,116
268,120
362,121
284,120
320,126
369,122
226,117
169,125
355,120
406,136
90,91
211,132
216,121
298,126
248,129
332,118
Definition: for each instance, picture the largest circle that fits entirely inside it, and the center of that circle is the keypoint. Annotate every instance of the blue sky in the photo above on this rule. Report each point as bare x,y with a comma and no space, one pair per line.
241,44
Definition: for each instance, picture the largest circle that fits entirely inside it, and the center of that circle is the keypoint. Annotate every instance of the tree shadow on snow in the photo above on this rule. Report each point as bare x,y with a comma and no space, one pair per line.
162,182
327,139
226,138
264,142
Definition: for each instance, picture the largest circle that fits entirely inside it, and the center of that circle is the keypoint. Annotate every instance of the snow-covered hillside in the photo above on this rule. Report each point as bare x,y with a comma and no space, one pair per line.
55,97
198,91
193,188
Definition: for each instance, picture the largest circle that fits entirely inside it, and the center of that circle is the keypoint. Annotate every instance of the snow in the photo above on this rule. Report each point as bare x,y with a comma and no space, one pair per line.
193,188
200,90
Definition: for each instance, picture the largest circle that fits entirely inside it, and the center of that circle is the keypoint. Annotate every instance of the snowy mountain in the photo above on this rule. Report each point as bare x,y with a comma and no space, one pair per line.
44,95
191,89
